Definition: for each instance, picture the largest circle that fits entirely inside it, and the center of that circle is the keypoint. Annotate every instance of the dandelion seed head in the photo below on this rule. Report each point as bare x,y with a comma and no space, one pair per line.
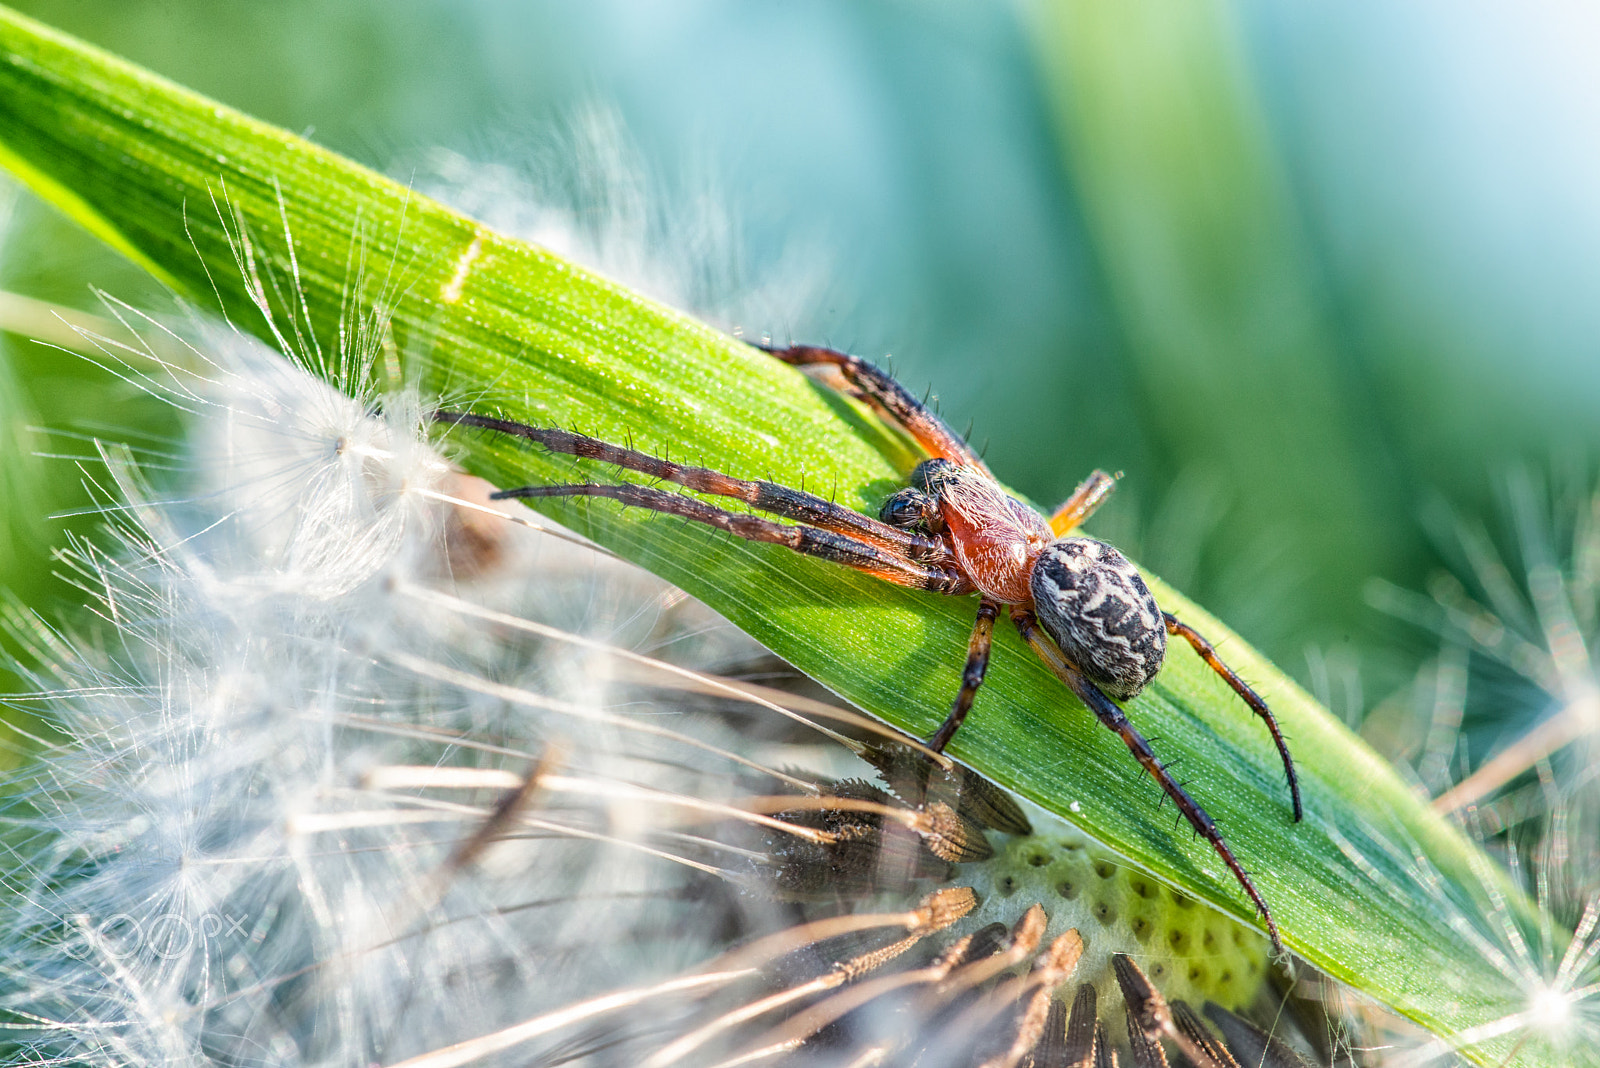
1516,619
1194,952
202,872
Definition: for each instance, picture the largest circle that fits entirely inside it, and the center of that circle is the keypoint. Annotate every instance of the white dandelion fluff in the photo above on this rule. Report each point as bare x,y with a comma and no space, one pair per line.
214,865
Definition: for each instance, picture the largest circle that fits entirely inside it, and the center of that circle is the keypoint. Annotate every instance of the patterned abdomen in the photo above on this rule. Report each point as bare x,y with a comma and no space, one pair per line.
1094,603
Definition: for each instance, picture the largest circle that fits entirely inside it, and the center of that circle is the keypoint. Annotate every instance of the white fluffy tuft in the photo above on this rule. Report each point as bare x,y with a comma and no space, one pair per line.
216,864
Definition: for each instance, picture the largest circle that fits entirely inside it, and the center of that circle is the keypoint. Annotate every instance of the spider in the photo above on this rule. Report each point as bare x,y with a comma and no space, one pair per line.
1080,605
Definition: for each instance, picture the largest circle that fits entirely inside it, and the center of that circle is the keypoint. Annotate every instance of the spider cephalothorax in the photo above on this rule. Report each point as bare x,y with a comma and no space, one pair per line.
954,530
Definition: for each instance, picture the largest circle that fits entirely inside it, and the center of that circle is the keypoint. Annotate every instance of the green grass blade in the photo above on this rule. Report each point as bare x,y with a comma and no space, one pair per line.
1372,886
22,535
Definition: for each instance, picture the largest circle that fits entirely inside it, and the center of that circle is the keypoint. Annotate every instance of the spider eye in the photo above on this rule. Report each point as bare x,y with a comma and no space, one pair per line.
908,509
930,475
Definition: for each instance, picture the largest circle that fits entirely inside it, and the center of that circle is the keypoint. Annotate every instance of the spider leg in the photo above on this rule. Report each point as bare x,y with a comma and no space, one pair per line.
1115,719
971,675
1208,653
768,496
1090,495
888,398
828,545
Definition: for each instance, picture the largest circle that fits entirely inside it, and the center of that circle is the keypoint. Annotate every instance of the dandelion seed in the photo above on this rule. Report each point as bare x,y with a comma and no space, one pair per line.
1540,624
1532,611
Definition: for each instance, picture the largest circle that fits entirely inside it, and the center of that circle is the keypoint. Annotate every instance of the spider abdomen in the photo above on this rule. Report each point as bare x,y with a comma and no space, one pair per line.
1096,606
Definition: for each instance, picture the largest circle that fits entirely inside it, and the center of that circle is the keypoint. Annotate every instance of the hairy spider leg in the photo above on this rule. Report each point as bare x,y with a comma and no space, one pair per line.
888,398
827,545
768,496
1107,712
1090,495
1208,653
971,674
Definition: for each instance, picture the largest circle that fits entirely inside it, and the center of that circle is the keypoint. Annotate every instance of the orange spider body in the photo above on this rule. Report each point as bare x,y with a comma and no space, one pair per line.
995,538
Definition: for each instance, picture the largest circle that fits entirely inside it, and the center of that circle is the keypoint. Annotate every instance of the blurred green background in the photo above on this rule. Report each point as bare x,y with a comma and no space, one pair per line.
1300,270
